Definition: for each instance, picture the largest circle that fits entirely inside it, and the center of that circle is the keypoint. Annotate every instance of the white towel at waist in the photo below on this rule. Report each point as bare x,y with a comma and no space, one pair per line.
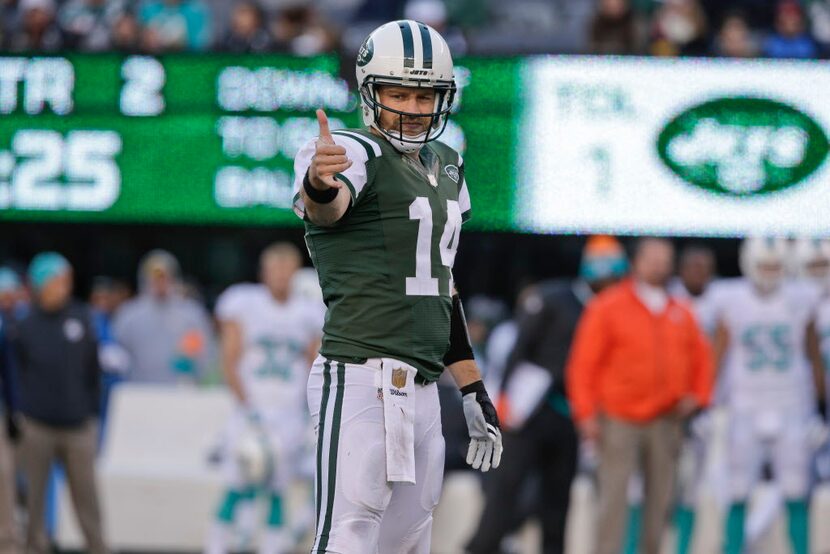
399,419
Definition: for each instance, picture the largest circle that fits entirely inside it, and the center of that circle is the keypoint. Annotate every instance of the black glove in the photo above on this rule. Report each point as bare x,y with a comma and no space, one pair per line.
12,428
483,425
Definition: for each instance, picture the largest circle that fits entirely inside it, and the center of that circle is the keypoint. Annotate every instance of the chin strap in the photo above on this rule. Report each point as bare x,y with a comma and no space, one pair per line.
401,146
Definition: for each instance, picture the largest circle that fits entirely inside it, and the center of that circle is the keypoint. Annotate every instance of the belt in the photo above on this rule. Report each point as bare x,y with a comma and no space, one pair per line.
375,363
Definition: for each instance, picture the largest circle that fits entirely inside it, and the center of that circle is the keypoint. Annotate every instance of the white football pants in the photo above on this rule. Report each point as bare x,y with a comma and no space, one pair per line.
358,510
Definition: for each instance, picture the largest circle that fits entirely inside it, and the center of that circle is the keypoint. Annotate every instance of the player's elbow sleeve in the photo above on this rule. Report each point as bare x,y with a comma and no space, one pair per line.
460,348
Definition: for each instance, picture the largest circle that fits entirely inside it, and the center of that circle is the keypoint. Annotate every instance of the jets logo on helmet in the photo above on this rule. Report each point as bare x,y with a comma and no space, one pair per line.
763,261
366,52
406,54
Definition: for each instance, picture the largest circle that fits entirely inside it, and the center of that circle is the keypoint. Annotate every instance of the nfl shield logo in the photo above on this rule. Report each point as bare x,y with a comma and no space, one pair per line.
399,378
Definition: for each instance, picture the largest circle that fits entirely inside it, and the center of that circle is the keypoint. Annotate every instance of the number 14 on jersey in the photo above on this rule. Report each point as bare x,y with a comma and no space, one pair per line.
424,284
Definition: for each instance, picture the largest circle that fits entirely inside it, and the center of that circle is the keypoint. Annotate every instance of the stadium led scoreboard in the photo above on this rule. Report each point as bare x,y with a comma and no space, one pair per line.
178,139
551,144
182,139
674,146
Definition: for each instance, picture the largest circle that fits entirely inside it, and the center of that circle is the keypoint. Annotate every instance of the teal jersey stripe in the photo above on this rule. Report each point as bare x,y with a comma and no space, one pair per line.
370,152
332,469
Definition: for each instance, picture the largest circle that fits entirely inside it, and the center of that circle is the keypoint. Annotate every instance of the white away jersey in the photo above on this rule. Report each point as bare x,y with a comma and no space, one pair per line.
766,364
276,339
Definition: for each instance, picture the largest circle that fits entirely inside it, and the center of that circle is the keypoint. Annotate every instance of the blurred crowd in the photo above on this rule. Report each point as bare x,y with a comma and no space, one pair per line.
659,385
615,374
728,28
60,358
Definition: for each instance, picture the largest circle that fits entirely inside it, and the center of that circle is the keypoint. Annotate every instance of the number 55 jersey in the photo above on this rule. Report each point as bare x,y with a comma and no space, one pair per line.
767,365
386,267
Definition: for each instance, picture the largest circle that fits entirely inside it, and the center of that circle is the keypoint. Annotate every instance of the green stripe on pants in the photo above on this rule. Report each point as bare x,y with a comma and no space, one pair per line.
321,427
332,469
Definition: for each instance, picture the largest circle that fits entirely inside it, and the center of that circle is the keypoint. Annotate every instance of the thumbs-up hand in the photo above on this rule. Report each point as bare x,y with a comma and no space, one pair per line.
329,158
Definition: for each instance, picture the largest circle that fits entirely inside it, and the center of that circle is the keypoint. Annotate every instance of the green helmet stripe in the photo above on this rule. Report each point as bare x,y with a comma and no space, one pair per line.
408,44
426,43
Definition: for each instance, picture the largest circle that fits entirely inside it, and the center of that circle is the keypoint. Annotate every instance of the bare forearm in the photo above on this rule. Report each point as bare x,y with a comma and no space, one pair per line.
231,355
464,372
234,383
821,383
329,213
230,368
720,344
816,360
312,350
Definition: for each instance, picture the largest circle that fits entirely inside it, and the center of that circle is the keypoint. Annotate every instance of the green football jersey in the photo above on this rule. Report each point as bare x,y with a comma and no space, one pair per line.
386,267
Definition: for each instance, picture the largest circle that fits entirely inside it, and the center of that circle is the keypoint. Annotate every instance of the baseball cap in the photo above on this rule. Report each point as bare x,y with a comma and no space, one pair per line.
46,266
602,258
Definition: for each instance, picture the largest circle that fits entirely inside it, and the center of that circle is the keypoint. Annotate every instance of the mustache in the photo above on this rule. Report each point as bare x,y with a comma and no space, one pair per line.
422,122
409,120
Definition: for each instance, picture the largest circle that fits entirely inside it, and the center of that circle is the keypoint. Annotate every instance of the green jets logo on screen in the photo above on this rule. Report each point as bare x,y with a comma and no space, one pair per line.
367,50
743,146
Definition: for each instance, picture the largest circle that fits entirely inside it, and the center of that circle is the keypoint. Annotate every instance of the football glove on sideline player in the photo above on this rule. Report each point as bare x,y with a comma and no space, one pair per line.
483,425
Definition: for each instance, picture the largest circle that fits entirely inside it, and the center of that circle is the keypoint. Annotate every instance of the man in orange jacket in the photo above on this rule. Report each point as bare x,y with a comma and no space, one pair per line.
639,366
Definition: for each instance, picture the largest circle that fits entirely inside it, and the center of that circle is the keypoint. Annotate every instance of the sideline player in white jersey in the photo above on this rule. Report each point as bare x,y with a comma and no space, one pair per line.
813,259
761,347
269,336
695,283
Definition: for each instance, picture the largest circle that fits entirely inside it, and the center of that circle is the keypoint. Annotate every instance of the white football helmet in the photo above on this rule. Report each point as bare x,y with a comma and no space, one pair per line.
409,54
812,260
763,261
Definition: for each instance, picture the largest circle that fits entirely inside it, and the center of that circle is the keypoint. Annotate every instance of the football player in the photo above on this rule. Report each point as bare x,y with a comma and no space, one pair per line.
761,346
696,279
268,338
696,284
813,258
383,208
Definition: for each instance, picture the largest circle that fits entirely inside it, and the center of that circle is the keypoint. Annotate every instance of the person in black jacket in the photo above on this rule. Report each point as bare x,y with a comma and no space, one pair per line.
56,353
540,431
9,282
